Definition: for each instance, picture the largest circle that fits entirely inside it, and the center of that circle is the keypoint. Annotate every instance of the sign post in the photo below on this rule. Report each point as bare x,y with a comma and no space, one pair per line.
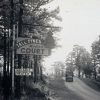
29,46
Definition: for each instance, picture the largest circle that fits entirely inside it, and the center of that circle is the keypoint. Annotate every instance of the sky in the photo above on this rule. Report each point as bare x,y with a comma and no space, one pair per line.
80,25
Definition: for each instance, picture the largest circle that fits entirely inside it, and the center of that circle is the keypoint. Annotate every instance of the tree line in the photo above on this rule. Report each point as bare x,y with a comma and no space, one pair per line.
87,64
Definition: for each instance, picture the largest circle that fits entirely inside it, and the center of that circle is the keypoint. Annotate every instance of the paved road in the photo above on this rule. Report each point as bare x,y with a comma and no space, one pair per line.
76,90
61,92
83,90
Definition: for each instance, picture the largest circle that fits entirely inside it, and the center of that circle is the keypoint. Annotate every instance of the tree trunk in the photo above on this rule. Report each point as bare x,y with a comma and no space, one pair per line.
79,72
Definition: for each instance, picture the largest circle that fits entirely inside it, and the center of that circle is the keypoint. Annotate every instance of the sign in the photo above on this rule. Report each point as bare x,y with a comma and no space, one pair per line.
23,72
30,46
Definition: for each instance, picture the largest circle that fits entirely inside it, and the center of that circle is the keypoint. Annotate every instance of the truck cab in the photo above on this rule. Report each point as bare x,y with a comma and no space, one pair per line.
69,76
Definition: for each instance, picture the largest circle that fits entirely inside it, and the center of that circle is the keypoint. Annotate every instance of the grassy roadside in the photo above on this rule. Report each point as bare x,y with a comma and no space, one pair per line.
92,83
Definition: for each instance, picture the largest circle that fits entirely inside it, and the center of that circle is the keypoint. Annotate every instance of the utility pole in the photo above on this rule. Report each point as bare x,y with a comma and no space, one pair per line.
4,69
18,78
20,19
12,26
35,69
5,83
13,57
8,60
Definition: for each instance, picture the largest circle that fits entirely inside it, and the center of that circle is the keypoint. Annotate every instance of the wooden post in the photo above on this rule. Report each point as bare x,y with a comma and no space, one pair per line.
35,68
18,78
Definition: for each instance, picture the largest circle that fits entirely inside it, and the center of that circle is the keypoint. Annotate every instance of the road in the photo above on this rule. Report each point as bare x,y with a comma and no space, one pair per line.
76,90
83,90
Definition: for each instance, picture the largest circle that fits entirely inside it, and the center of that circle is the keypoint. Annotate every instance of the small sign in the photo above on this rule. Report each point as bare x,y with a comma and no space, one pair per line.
23,72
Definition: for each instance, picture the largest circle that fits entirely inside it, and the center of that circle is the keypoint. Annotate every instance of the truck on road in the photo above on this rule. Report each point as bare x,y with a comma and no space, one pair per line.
69,76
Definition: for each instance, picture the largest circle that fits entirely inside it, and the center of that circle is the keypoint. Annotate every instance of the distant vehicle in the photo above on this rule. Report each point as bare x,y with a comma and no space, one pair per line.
98,77
69,76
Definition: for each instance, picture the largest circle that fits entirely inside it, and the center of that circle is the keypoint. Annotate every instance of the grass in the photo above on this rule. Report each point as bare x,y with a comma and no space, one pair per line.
92,83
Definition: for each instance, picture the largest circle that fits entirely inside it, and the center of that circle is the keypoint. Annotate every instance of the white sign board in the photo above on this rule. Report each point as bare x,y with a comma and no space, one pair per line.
23,72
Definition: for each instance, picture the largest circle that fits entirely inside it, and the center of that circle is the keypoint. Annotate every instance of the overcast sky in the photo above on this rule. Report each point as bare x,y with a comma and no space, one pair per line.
80,23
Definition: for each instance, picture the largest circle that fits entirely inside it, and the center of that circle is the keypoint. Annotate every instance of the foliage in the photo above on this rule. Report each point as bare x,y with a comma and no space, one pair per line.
79,59
86,63
37,20
59,68
96,51
95,56
70,62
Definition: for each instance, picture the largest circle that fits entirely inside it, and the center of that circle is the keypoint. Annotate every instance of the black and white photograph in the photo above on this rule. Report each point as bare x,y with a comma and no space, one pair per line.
49,49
